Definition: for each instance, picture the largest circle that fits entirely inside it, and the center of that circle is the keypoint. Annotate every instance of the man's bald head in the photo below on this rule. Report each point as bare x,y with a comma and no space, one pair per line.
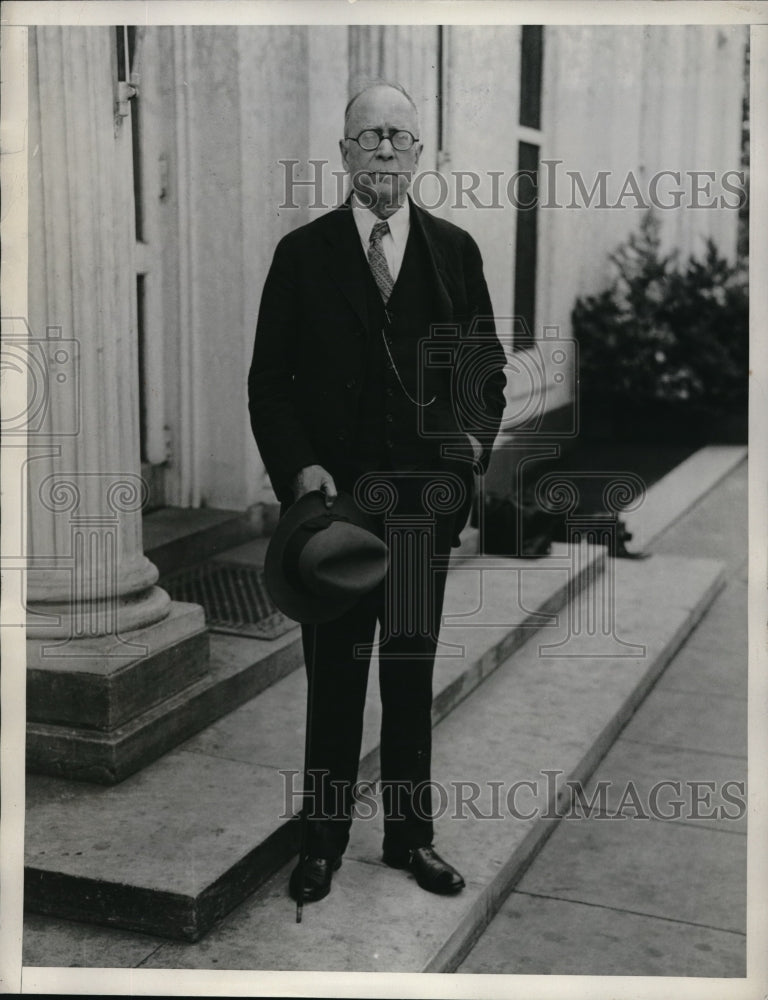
372,92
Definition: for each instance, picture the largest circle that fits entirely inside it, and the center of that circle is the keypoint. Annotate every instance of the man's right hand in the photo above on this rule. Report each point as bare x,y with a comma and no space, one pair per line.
314,477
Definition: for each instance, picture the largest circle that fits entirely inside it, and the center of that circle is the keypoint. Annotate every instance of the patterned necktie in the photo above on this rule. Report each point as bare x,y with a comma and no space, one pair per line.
378,261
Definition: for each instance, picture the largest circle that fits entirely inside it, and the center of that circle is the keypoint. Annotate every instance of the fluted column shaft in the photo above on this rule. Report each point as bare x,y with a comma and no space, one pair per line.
87,568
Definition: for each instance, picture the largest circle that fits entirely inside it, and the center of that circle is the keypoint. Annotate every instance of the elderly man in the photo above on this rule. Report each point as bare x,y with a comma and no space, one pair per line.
341,399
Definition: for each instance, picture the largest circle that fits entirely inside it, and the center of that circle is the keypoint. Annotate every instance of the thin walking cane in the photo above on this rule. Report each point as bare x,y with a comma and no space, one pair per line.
307,743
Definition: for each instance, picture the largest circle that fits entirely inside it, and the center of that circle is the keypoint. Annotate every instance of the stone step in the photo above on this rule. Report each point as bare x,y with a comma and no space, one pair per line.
547,715
174,847
674,494
238,670
175,537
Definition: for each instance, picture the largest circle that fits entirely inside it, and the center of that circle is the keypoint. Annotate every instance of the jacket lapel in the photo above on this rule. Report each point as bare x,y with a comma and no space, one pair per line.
424,223
346,262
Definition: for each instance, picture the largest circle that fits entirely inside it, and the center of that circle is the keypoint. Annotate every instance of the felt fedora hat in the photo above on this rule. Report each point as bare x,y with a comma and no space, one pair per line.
320,561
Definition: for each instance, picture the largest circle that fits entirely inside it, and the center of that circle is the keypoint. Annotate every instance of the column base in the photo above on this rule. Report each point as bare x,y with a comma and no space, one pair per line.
89,693
79,620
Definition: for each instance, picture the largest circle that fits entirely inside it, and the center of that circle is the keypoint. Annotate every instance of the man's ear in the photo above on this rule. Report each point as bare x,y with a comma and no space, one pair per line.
343,151
418,147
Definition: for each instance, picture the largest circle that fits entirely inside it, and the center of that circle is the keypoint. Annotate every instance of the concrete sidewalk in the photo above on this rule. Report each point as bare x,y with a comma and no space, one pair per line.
655,896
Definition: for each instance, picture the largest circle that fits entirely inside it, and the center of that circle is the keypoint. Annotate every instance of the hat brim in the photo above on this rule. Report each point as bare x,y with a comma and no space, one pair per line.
302,607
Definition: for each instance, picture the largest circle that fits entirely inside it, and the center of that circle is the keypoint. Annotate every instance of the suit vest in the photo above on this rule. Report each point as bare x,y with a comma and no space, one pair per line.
389,425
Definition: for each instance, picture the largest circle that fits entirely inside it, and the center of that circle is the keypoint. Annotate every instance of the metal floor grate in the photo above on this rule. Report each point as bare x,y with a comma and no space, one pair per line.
233,596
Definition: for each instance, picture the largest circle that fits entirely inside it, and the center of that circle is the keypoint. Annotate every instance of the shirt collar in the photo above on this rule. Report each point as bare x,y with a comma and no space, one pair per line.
399,222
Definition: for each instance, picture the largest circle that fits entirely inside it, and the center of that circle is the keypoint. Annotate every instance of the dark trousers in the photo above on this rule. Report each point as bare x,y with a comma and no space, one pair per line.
418,525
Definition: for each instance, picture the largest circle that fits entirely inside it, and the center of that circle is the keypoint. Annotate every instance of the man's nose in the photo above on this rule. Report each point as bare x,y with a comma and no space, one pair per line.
385,149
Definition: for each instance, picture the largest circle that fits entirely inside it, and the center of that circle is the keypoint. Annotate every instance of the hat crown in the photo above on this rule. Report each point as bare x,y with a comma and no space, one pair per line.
341,560
320,560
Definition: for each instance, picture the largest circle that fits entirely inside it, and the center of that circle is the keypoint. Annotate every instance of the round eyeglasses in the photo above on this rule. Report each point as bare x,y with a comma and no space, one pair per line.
371,138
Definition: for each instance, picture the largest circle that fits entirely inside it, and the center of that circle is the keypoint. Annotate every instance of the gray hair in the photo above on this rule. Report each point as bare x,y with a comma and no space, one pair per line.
370,86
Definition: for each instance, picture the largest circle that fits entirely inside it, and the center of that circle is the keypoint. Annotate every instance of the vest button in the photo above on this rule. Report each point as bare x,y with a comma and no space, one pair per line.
351,384
390,418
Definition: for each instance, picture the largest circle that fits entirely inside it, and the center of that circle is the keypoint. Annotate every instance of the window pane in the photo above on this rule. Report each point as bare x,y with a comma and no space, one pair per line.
122,55
440,88
525,243
531,60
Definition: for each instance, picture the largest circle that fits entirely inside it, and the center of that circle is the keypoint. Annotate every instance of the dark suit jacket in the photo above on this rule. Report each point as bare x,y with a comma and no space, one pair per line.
306,373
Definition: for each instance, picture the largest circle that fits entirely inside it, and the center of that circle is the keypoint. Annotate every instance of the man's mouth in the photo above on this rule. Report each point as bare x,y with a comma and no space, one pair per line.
373,185
387,175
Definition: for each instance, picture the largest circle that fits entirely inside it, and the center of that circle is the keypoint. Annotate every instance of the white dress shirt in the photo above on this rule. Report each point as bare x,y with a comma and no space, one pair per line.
393,242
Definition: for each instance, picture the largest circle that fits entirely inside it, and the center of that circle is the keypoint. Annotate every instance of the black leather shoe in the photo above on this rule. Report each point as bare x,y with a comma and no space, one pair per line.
428,868
318,873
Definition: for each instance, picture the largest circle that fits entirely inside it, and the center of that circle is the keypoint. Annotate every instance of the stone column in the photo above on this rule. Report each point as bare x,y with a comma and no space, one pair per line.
106,646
